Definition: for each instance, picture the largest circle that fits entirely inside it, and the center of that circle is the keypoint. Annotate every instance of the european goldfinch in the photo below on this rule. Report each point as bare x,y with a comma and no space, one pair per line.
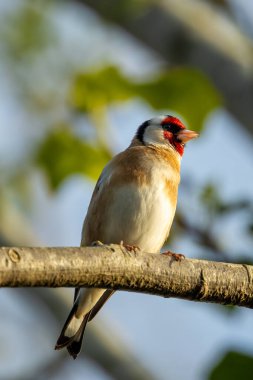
134,202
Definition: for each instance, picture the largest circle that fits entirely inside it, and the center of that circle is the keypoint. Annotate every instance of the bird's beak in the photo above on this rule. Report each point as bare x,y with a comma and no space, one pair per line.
186,135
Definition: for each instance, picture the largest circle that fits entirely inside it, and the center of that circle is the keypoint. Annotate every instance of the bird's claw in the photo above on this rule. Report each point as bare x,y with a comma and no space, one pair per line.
129,247
176,256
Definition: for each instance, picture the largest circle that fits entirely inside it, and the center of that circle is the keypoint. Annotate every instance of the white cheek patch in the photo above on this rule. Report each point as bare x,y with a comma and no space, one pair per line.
154,135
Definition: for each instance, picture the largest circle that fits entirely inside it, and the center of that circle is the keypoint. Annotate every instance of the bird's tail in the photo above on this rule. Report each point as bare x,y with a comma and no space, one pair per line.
72,332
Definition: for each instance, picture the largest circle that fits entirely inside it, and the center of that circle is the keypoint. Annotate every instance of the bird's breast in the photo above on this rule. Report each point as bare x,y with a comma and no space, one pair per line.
141,215
134,201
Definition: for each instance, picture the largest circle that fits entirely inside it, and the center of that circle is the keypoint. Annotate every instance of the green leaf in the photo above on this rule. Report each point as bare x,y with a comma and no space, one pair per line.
233,366
62,154
97,89
185,91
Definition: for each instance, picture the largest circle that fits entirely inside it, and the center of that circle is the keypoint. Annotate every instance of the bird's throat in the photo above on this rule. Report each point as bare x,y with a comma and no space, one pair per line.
177,145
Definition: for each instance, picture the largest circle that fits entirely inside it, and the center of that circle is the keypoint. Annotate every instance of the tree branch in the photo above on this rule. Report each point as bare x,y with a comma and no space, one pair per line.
113,266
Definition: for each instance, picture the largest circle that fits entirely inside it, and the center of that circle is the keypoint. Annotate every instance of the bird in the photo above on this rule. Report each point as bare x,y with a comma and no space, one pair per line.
134,202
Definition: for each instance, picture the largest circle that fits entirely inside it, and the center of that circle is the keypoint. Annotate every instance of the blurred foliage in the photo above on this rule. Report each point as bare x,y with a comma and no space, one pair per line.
233,366
27,33
97,89
62,154
217,212
185,91
211,198
123,10
27,30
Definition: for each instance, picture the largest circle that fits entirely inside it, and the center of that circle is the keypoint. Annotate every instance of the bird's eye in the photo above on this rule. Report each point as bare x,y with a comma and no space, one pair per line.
173,128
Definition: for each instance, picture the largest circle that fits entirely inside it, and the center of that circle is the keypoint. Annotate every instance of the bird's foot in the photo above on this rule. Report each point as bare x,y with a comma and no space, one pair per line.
176,256
129,247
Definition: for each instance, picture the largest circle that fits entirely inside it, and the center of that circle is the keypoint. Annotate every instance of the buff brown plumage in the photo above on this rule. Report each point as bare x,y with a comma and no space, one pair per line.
134,201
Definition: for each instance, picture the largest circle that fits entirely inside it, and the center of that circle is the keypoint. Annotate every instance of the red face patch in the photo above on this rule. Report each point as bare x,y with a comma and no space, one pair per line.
173,120
177,145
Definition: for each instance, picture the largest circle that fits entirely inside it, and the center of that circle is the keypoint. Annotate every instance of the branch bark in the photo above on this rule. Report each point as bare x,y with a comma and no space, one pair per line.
114,267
